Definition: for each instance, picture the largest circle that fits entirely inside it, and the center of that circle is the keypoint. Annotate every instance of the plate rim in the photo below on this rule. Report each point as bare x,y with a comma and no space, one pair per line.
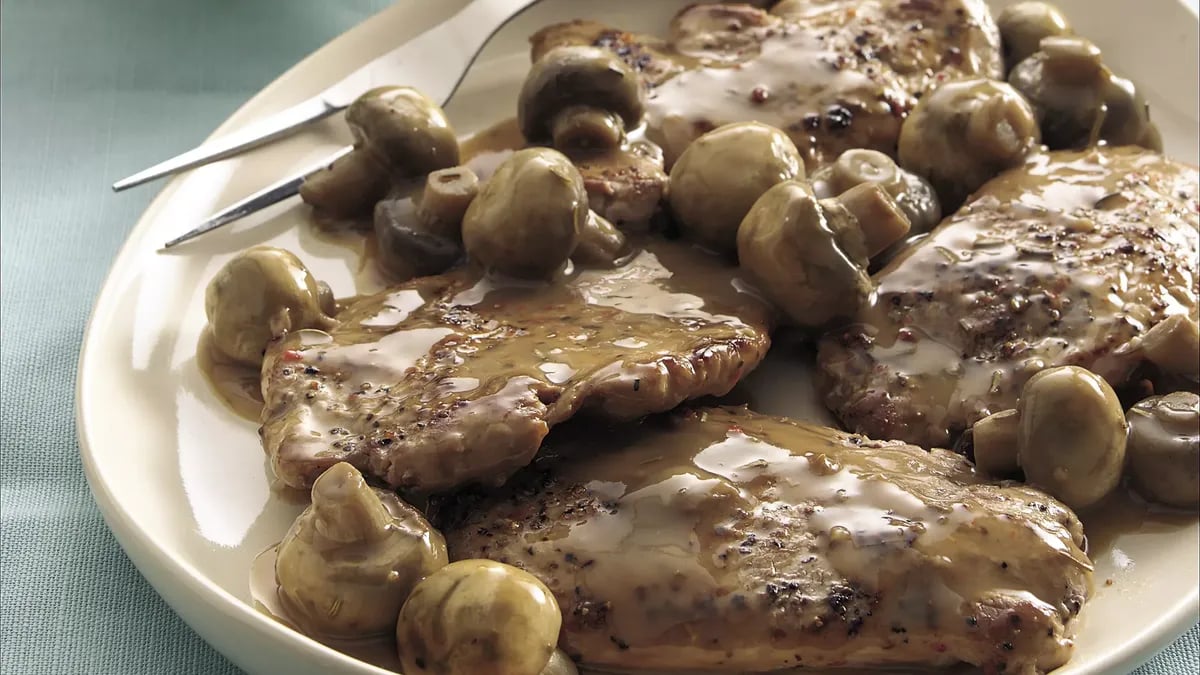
137,544
144,552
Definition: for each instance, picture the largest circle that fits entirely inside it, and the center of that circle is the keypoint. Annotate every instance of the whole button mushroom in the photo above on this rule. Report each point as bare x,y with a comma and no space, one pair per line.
352,558
913,194
1024,25
580,97
722,174
526,220
1067,434
1164,448
1079,101
399,134
422,235
478,617
260,295
809,256
965,132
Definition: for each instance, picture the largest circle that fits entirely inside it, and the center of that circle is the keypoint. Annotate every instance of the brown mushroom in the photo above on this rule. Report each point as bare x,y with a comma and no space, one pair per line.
720,176
965,132
580,97
1164,448
349,561
1067,435
400,134
525,222
811,265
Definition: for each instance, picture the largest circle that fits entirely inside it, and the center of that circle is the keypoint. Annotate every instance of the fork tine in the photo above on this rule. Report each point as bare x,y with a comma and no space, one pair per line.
272,194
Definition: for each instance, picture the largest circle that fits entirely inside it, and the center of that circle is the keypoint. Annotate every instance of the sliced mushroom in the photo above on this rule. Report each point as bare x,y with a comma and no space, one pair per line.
1164,448
525,222
811,266
478,617
351,559
720,176
260,295
580,97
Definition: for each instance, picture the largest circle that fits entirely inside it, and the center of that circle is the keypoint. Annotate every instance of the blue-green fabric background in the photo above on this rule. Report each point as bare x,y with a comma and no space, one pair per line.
91,91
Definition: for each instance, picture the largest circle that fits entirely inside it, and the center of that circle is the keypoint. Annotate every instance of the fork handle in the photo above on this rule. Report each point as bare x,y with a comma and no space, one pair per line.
251,136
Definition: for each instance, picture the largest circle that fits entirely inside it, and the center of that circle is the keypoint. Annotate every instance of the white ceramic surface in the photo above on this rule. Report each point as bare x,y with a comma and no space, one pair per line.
183,482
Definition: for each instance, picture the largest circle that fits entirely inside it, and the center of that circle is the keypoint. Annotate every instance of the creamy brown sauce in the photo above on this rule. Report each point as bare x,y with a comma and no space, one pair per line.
703,537
239,386
664,504
1124,512
236,385
832,75
474,347
676,500
1079,274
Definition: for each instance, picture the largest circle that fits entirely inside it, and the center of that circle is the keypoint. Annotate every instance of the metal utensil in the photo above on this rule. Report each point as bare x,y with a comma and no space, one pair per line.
272,194
434,62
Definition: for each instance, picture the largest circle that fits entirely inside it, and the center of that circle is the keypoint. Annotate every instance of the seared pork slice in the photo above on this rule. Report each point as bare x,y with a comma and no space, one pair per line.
833,74
1059,262
455,379
624,185
730,541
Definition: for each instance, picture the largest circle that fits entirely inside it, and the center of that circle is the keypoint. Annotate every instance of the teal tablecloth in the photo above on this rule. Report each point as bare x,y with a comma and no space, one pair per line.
93,90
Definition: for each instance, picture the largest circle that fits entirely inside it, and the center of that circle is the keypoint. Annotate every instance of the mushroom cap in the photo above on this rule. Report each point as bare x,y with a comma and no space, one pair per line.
1024,25
1071,435
989,119
351,559
572,76
261,294
405,129
526,219
478,617
721,175
1164,448
812,267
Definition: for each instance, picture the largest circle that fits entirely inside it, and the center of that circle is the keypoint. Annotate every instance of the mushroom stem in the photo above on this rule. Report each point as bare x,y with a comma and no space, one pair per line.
346,508
348,189
996,446
444,201
600,242
584,127
1173,345
881,221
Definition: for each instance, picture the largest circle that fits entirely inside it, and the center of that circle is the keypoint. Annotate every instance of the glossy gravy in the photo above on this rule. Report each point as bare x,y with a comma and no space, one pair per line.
239,386
1060,251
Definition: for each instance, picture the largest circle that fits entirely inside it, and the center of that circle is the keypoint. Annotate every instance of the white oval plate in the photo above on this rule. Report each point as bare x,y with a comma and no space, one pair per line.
183,483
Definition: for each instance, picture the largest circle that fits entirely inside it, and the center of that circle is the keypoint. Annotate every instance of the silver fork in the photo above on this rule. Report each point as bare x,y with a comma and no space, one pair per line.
434,62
